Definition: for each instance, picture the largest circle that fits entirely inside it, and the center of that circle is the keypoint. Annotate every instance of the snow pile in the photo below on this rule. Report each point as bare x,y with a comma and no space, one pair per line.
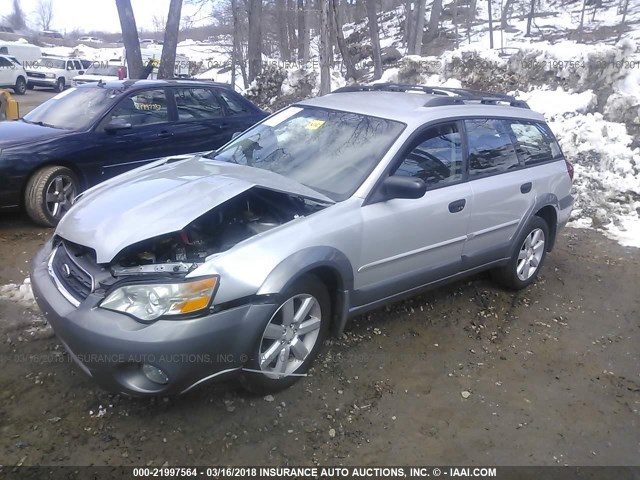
555,103
20,294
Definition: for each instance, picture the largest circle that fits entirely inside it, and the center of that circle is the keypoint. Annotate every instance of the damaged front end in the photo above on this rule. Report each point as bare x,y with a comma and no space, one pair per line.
147,280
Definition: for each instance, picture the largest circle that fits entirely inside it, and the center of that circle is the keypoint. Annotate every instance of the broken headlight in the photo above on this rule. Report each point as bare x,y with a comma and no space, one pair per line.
151,301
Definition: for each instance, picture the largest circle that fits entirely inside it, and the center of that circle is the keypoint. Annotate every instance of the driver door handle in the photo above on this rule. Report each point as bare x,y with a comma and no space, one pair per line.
457,206
165,134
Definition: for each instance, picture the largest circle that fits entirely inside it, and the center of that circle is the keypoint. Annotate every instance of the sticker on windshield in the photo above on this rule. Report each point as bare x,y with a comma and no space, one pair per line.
280,117
64,94
315,124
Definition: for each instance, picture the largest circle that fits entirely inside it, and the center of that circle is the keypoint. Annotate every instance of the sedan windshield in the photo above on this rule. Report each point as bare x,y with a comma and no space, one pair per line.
73,109
329,151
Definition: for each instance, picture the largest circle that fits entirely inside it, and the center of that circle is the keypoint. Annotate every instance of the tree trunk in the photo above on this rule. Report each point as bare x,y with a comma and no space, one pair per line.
434,19
130,38
418,33
283,29
532,11
342,44
470,18
504,20
292,18
325,48
167,67
254,53
490,25
238,57
408,24
302,33
624,19
455,22
375,38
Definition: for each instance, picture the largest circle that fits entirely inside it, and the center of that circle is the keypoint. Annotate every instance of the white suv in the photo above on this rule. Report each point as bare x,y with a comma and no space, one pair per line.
54,72
12,75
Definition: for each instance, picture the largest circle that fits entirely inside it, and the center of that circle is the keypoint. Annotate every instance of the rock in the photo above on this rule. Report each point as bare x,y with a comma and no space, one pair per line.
332,432
465,394
269,398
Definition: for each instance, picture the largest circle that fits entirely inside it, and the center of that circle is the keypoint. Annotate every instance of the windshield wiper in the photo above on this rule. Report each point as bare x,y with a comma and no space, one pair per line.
40,124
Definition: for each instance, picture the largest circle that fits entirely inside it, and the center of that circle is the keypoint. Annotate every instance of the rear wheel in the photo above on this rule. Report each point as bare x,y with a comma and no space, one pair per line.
527,260
292,338
21,86
50,193
60,84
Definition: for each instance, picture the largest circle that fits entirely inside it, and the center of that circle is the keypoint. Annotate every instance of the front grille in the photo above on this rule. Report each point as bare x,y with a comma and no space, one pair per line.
71,277
36,75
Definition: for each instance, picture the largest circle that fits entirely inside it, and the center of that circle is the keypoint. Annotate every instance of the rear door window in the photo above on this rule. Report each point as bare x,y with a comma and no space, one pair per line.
234,106
197,104
491,150
534,142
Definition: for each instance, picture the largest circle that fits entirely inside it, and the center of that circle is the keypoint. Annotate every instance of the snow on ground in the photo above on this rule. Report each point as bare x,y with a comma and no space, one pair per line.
20,294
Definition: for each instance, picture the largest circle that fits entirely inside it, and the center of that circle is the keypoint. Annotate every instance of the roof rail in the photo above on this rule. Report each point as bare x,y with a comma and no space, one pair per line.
456,95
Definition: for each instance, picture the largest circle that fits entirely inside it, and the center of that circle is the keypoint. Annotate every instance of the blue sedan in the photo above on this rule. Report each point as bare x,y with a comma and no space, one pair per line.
96,131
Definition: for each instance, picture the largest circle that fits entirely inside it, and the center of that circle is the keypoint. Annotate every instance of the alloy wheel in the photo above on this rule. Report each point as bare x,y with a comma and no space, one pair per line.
60,195
290,336
530,255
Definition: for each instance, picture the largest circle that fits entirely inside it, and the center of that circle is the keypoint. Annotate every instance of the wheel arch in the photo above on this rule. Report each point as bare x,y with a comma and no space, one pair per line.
549,214
330,265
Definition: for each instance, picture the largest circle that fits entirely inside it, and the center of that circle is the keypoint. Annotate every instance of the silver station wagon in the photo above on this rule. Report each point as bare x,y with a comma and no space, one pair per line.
243,260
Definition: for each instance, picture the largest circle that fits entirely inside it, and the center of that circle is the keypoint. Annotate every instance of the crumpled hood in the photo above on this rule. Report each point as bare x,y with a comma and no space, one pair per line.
161,198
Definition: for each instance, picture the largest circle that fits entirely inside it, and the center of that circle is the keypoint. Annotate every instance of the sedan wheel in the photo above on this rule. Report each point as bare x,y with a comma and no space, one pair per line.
50,193
21,86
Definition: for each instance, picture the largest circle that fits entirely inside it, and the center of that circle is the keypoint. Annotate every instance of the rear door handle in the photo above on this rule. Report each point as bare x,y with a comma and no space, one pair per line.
457,206
525,187
165,134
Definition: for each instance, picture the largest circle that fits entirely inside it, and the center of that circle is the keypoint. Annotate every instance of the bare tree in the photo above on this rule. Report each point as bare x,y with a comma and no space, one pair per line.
254,55
303,33
506,11
167,67
415,46
130,38
342,44
283,29
374,32
625,9
45,14
491,23
292,18
325,48
16,19
455,21
532,11
159,23
434,20
408,23
470,18
237,55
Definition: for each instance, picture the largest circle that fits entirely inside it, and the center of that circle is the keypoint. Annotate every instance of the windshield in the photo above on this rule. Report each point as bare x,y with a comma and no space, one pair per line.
102,70
50,63
73,109
329,151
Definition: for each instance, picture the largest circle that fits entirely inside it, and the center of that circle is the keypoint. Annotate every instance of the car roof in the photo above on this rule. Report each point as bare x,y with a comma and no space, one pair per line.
414,107
154,83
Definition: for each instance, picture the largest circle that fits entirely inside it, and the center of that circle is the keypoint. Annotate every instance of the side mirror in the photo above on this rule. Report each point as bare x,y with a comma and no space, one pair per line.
403,187
116,125
235,135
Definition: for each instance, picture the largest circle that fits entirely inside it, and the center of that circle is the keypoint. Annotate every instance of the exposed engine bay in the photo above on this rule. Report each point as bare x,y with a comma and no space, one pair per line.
256,211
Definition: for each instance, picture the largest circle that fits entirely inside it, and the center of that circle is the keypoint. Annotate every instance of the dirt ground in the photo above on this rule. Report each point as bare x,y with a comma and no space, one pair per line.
466,374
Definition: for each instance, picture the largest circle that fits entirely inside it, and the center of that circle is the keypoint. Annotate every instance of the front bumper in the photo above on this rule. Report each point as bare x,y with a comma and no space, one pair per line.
42,82
112,347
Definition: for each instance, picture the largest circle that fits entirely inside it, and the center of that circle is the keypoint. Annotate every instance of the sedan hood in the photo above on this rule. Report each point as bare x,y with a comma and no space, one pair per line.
161,198
19,132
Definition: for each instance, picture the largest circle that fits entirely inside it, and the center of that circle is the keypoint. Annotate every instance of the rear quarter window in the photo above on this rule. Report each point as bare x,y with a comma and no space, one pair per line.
491,150
535,143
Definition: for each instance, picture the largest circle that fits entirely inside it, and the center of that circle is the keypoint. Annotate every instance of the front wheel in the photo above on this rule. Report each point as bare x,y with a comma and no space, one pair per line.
291,339
21,86
50,193
527,260
60,84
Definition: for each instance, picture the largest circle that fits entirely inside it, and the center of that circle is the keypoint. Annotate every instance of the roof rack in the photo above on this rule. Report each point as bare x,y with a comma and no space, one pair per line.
447,95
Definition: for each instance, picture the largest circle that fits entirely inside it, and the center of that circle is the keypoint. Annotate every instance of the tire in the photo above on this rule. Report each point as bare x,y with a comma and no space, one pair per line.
301,349
527,258
60,85
49,183
21,86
